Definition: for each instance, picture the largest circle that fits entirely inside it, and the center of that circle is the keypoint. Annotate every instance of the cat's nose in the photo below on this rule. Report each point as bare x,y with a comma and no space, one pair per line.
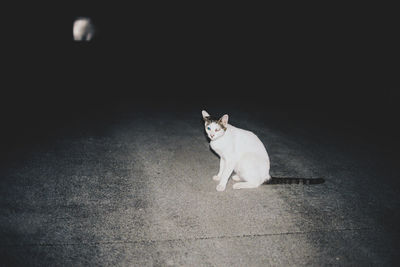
211,135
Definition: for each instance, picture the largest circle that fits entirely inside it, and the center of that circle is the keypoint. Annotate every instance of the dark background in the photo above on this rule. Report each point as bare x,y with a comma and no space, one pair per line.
94,161
332,63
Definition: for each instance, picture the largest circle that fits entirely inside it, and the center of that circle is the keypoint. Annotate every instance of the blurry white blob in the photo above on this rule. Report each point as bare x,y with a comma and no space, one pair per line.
83,29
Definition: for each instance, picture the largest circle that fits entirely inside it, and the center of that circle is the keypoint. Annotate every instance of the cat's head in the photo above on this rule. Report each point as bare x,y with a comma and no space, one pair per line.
215,128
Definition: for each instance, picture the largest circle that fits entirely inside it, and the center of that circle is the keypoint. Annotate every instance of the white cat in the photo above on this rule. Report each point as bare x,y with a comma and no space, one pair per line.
240,151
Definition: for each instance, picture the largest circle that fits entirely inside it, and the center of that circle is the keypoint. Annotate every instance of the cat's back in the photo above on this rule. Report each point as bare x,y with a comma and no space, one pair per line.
247,141
243,135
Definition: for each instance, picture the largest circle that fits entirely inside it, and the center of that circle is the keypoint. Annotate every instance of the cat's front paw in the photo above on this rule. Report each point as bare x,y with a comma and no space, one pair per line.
216,178
221,187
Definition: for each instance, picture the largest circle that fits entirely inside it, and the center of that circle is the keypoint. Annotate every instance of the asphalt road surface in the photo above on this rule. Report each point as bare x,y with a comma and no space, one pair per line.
134,188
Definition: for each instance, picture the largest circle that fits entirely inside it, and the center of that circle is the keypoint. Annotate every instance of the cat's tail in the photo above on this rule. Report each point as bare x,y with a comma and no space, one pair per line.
293,180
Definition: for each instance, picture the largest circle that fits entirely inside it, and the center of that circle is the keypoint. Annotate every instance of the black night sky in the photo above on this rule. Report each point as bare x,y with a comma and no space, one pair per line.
342,60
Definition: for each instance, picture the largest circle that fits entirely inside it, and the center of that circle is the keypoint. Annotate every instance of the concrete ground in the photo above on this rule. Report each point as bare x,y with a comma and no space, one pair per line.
135,188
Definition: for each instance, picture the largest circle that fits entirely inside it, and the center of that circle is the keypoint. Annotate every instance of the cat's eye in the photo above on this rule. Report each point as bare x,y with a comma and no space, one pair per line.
208,128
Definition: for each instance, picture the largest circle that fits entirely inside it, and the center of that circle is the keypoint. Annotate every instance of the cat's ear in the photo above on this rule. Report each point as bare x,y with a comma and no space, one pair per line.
224,120
205,114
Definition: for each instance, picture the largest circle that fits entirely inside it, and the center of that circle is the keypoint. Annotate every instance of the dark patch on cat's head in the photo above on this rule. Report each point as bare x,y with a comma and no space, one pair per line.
211,119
